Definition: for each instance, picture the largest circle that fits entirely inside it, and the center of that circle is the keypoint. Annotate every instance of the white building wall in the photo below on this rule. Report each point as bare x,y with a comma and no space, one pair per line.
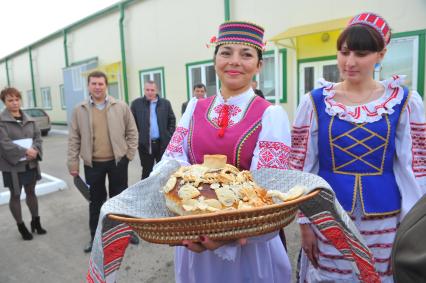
20,75
49,60
169,34
277,16
98,38
3,75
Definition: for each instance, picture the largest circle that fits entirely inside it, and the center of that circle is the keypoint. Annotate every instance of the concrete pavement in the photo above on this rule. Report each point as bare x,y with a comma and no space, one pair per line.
58,256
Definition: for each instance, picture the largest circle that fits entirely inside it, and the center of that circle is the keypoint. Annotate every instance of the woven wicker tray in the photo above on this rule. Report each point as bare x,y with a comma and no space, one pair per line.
222,225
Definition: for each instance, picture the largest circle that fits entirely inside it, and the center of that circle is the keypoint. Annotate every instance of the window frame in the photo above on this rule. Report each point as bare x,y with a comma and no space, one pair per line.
421,49
62,96
30,98
43,91
196,64
151,72
283,81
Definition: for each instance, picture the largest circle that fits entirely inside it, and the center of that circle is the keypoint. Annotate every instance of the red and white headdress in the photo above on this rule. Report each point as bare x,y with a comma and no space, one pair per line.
376,22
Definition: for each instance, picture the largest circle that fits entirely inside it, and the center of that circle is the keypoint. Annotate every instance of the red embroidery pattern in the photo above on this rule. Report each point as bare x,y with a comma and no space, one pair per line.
299,145
273,155
418,136
233,111
176,143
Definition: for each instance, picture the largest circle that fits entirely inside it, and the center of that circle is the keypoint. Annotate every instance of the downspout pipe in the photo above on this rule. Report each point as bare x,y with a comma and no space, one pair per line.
123,53
227,10
7,72
64,32
32,76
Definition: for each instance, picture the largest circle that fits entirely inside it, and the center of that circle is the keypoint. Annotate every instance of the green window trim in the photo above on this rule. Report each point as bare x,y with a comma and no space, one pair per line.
309,60
283,53
421,59
59,123
421,56
187,67
163,79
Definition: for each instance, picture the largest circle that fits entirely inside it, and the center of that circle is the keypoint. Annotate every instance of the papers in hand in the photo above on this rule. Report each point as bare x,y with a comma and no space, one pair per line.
25,143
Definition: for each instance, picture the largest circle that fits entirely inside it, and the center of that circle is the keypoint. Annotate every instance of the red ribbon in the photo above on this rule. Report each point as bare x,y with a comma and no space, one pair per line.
223,120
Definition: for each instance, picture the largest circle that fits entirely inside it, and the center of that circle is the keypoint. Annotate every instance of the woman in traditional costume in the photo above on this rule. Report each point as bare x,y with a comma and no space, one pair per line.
253,134
367,139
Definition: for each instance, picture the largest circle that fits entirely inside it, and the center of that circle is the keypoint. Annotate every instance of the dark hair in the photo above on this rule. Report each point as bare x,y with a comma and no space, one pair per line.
199,85
259,52
360,37
9,91
97,74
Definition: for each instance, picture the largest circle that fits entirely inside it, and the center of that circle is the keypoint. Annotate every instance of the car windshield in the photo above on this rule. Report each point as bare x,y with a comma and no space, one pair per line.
35,112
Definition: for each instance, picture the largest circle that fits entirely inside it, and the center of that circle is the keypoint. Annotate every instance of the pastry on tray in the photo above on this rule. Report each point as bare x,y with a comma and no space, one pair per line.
215,186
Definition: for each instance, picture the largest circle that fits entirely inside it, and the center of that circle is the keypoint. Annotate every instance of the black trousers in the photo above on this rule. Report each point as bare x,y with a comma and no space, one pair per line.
147,160
95,178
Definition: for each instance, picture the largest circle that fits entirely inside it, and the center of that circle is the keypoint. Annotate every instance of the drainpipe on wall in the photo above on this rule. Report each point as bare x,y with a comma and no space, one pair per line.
227,10
123,53
32,76
277,74
7,72
64,32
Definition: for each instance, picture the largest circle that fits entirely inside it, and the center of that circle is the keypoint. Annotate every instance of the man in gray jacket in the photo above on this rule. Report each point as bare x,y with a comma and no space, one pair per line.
104,134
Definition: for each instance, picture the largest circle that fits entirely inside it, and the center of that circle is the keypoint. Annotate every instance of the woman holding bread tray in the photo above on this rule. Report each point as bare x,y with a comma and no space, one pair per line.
251,133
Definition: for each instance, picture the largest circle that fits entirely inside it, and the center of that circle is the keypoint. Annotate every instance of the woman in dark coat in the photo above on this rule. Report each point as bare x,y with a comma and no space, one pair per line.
20,151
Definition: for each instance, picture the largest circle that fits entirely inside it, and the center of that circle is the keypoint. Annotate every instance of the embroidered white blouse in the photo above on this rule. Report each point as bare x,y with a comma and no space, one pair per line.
272,148
410,143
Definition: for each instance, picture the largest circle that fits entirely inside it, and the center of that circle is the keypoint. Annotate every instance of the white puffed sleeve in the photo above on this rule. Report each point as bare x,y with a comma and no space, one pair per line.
304,141
410,158
273,146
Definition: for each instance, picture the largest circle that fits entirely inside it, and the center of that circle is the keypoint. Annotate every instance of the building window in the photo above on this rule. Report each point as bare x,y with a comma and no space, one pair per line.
202,72
30,99
312,69
266,78
156,75
46,99
62,94
113,90
402,58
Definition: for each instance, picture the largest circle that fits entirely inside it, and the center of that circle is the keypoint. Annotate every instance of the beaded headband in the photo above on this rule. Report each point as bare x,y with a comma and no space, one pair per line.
237,32
376,22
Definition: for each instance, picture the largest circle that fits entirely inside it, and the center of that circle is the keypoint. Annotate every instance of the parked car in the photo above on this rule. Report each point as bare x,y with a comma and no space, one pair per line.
41,118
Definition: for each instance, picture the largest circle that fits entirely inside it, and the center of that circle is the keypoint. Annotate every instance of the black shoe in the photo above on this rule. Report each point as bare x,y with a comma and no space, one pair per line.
134,240
36,226
26,235
88,248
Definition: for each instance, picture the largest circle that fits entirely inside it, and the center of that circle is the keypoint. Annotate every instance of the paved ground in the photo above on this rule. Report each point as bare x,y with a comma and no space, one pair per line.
58,256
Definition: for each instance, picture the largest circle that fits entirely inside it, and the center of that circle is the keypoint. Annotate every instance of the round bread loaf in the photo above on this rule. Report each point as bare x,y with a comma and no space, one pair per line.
212,186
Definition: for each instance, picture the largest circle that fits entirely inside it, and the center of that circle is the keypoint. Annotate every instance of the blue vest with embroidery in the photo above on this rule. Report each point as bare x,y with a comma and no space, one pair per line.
357,159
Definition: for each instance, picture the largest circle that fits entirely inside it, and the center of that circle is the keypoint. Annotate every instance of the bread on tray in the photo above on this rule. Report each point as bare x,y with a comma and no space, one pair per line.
215,186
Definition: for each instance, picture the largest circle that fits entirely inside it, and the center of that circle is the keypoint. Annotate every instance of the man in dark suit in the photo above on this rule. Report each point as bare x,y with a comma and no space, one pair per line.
198,91
156,123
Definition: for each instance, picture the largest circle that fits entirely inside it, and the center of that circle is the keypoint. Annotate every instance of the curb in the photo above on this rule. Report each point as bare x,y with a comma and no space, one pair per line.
54,184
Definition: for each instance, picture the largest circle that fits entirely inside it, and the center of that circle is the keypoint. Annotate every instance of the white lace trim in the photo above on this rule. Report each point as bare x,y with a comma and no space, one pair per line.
366,113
